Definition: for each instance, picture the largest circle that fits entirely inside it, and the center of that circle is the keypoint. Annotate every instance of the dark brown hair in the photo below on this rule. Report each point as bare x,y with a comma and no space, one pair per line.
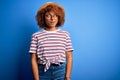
50,6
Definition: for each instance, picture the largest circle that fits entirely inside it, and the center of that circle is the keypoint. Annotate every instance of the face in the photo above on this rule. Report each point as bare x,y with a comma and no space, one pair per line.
51,19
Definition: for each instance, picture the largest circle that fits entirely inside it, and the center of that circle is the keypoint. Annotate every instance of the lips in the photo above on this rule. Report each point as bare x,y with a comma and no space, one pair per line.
52,22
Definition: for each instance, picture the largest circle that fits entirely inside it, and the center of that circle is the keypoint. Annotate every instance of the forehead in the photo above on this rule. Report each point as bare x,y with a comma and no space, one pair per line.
51,13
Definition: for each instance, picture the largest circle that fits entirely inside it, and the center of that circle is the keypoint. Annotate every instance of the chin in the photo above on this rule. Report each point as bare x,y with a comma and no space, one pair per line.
52,25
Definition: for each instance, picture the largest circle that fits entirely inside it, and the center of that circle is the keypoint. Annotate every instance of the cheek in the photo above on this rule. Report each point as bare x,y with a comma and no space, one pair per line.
46,21
56,19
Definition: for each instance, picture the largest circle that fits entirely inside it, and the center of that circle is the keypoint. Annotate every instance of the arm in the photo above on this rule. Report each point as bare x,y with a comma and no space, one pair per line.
34,66
68,65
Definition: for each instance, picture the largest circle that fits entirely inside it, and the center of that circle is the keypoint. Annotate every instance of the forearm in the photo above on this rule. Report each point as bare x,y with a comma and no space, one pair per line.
69,65
35,69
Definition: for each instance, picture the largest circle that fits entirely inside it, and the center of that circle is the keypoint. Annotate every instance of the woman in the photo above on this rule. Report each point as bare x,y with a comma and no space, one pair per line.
51,48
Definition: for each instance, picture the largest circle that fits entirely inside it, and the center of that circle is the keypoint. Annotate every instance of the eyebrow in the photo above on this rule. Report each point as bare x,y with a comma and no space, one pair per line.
50,14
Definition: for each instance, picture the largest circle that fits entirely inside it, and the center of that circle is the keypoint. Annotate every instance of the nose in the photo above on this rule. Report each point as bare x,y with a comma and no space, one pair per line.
52,17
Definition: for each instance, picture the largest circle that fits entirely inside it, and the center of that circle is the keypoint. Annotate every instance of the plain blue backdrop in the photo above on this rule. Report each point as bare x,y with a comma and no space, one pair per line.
94,26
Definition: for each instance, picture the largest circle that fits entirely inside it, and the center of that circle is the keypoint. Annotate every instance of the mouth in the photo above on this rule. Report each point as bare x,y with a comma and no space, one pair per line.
52,22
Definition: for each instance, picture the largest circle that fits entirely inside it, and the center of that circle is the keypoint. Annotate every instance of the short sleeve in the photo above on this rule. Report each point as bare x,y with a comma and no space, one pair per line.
68,43
33,44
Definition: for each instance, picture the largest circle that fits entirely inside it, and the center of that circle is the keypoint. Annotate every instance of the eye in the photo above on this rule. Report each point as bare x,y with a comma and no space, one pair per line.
55,16
48,15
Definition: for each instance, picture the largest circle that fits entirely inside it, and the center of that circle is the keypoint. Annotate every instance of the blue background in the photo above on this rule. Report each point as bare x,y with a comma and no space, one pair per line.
94,26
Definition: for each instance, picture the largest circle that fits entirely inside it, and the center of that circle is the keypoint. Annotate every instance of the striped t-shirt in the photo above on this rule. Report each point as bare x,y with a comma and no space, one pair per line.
50,46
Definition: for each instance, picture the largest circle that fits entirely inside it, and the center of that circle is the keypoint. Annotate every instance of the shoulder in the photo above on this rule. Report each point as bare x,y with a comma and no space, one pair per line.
37,33
65,32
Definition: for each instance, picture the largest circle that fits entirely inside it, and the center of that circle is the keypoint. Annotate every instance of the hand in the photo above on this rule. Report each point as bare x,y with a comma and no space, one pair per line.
67,78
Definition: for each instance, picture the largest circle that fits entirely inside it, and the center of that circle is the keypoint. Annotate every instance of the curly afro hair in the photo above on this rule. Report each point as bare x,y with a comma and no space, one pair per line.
50,6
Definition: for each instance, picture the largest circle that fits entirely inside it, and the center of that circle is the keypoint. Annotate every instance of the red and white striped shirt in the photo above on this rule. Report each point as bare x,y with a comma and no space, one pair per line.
50,46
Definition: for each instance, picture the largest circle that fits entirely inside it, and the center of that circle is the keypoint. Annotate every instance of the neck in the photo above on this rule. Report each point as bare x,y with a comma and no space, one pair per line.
51,29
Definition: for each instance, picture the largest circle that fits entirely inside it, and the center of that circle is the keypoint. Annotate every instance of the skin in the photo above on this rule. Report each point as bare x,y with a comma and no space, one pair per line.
68,65
51,20
34,66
